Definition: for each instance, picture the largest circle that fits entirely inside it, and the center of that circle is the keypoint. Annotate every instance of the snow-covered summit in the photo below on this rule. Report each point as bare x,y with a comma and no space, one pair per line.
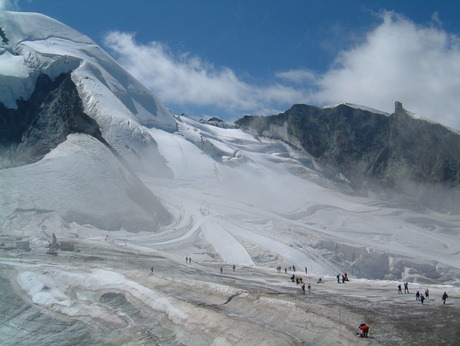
356,106
100,169
34,44
24,26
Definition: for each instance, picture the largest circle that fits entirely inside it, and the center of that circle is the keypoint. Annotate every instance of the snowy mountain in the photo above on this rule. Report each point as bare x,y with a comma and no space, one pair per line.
66,84
373,151
90,155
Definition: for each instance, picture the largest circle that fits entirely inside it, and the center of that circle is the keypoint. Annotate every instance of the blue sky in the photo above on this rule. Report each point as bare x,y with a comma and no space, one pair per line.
230,58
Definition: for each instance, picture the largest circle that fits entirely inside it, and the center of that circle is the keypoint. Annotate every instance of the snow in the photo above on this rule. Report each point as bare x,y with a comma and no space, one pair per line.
230,199
43,45
64,183
356,106
11,65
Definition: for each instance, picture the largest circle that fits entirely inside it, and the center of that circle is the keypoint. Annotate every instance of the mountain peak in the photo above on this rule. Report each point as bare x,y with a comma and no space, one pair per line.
37,44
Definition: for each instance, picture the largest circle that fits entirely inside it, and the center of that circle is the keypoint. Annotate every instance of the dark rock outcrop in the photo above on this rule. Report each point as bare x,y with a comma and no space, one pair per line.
39,124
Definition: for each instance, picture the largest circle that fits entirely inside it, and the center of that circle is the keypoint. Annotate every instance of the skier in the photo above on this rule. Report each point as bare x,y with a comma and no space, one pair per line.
309,288
399,289
444,297
406,287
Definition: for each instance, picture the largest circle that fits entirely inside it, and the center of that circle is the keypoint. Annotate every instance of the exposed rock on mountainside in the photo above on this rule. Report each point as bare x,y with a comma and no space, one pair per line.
41,123
370,149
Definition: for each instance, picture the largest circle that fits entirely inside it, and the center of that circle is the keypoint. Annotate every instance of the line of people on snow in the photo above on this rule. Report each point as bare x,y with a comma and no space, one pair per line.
421,296
344,277
297,280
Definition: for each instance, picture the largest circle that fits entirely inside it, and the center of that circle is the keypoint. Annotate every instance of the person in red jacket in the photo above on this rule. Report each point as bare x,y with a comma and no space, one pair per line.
364,330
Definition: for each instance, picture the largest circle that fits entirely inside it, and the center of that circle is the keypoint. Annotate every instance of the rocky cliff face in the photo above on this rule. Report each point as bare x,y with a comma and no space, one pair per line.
41,123
371,150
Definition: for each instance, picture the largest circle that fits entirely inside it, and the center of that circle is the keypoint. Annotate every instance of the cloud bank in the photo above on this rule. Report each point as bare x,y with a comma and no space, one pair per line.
398,60
185,79
9,4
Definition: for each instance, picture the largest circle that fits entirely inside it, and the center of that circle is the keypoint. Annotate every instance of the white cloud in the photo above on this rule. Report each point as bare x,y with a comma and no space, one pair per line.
9,4
417,65
397,61
297,76
185,79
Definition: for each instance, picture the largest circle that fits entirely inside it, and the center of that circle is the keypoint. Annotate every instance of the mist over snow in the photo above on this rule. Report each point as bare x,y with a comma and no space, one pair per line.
157,188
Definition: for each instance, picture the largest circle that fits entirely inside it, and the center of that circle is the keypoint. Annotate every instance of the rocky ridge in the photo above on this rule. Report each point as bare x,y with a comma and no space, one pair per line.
370,150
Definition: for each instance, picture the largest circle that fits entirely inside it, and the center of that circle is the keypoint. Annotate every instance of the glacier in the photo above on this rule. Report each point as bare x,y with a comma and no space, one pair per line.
164,187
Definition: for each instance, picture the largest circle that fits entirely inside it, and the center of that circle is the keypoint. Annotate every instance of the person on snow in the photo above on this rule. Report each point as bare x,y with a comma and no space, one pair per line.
406,287
293,268
235,267
338,278
417,295
303,288
364,330
221,270
343,279
422,298
309,288
320,280
427,294
306,270
293,278
297,281
151,270
399,289
346,276
444,297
